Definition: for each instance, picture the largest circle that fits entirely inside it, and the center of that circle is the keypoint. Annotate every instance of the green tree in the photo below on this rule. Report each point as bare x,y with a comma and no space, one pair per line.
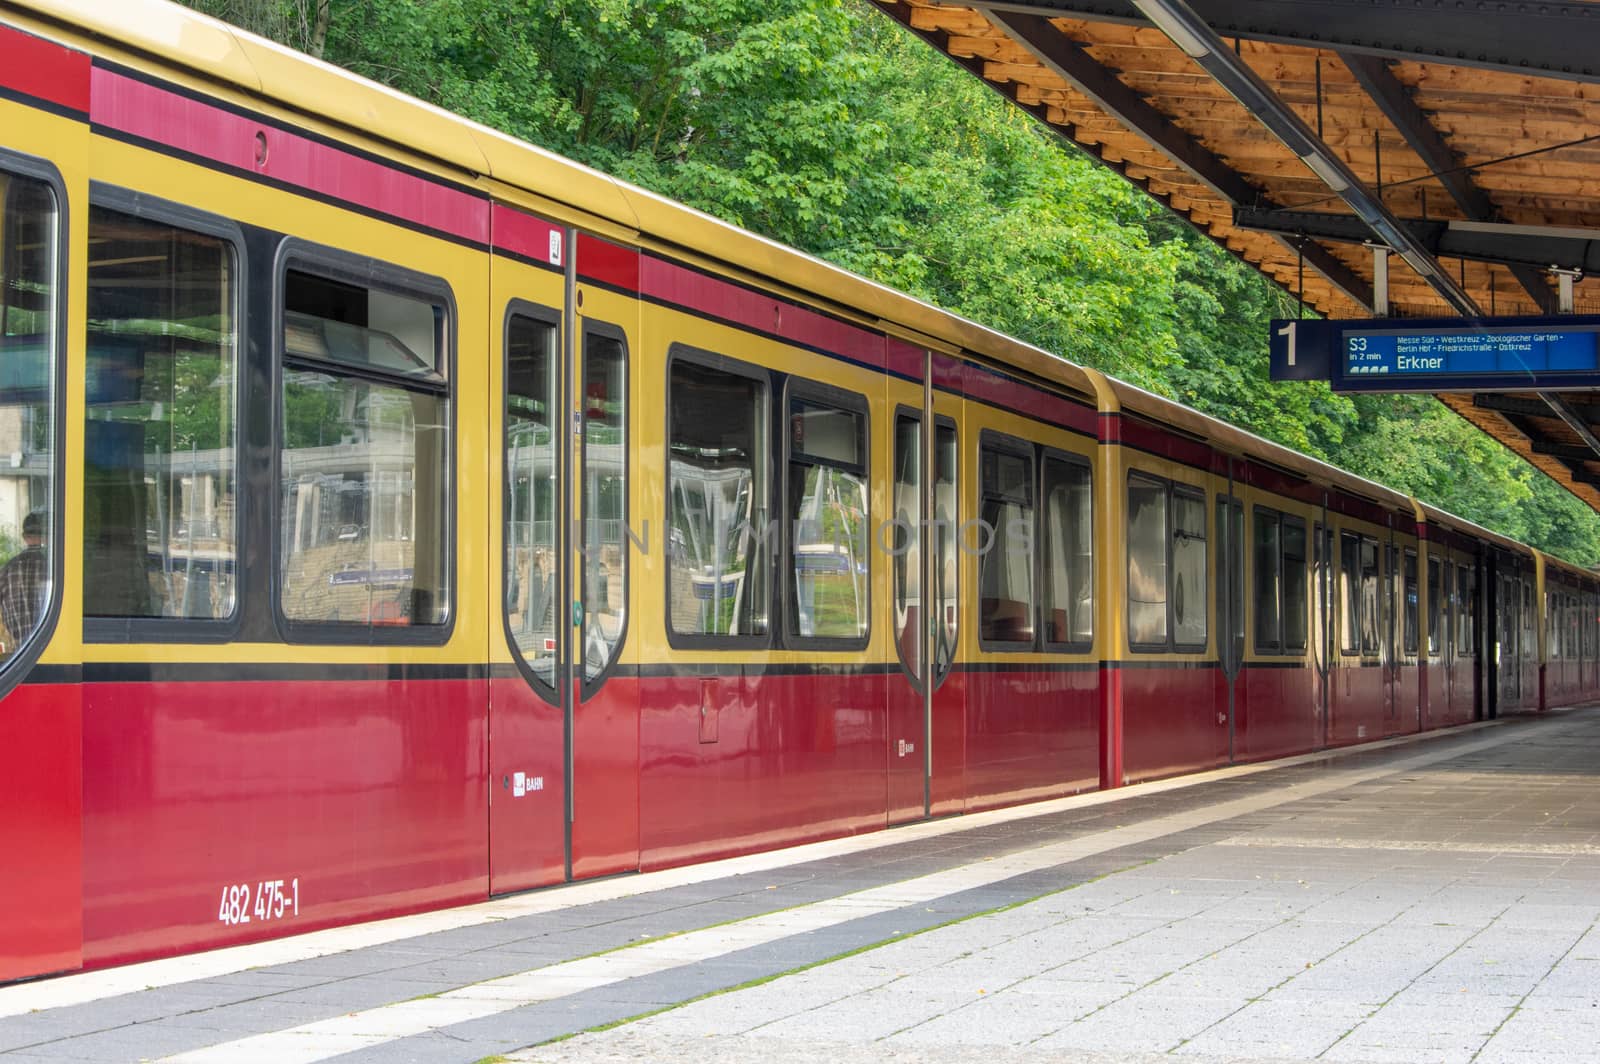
824,125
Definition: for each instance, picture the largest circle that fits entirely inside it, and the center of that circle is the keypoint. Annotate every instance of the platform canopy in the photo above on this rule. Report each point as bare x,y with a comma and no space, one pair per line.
1303,135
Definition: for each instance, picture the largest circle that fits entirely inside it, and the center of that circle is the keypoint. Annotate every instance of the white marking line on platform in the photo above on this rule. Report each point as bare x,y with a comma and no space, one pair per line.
92,986
371,1027
1520,849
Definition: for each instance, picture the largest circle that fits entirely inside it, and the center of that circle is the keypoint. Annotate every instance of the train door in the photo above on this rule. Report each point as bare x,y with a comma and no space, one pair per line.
560,712
1508,631
927,753
603,722
1445,612
527,695
1388,656
1324,660
1469,661
1230,604
1530,644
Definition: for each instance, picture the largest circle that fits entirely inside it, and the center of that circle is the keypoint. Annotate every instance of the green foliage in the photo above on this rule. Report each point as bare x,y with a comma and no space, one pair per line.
823,125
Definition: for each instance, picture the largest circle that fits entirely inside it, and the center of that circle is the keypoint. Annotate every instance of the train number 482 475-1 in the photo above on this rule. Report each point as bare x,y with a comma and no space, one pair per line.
267,900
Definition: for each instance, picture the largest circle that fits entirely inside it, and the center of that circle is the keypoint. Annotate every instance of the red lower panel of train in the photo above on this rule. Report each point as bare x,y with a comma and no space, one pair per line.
1030,734
216,813
1276,712
734,763
41,764
1174,719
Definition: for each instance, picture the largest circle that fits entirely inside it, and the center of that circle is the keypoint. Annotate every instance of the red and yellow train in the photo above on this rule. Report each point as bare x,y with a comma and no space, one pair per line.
398,515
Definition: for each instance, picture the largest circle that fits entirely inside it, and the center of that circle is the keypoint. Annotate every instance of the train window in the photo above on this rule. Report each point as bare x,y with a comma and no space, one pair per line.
364,482
1573,636
159,432
1561,620
1268,580
1190,596
1280,582
1350,579
947,558
718,532
1466,590
827,517
1408,626
1436,613
906,548
1230,575
1553,626
1550,625
1069,554
1295,622
1168,588
531,504
1006,601
1568,646
1589,626
1530,619
604,472
29,343
1147,562
1371,600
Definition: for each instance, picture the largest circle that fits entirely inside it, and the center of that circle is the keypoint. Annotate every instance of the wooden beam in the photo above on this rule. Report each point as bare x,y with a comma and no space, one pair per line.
1567,452
1555,40
1072,63
908,15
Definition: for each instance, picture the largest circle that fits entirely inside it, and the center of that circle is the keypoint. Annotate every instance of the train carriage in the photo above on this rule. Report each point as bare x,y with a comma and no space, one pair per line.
398,515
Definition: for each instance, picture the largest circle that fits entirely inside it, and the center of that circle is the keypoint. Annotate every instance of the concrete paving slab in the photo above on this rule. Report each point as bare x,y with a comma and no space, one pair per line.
1269,1028
1147,1021
869,1016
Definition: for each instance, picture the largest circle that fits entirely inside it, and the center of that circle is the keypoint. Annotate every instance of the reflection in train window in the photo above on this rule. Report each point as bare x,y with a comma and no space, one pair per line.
28,355
946,553
1530,620
1230,549
1068,553
1409,610
1295,598
605,499
1466,591
1169,589
1006,550
1371,600
1280,582
1350,598
159,508
1268,582
906,549
1190,595
827,518
910,539
718,528
1436,594
363,468
531,504
1147,561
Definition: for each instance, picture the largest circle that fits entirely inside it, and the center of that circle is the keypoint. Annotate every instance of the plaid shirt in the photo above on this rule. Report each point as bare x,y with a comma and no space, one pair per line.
23,583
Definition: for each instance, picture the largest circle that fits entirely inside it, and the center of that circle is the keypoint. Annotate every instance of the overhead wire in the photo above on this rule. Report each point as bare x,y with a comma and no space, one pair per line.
1468,168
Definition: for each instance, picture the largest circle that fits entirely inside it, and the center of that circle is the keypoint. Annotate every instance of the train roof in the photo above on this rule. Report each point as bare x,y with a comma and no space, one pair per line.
501,165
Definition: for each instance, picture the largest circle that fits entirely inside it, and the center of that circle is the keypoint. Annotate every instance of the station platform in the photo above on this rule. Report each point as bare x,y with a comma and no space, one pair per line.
1434,898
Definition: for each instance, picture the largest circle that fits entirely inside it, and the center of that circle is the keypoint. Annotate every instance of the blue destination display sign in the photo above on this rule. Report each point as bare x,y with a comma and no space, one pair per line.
1470,351
1439,354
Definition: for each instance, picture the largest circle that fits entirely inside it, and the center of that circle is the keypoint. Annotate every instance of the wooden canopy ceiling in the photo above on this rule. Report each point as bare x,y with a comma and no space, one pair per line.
1479,113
